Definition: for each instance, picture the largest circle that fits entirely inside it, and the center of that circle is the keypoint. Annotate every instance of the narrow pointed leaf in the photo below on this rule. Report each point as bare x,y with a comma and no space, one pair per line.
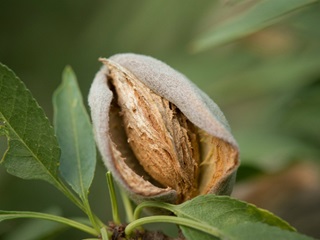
241,22
223,212
74,132
33,151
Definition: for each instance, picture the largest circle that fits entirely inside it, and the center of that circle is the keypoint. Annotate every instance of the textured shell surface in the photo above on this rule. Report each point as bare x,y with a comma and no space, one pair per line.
217,147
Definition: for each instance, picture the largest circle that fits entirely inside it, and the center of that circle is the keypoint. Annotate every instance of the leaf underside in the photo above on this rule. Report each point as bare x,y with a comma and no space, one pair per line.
75,136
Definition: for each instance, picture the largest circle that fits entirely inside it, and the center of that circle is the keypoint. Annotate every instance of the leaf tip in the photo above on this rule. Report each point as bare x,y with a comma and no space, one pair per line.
68,74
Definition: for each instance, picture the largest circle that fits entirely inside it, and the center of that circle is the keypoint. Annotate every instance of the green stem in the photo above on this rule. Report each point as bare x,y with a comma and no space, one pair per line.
113,198
95,221
155,204
104,234
171,219
83,205
127,206
50,217
66,191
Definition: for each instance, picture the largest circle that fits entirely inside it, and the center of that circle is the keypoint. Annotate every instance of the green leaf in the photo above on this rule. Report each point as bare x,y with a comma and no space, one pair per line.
247,19
223,212
75,136
219,217
257,230
33,151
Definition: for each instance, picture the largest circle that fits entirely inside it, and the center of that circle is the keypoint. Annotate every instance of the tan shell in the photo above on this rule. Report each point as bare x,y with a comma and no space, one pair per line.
219,150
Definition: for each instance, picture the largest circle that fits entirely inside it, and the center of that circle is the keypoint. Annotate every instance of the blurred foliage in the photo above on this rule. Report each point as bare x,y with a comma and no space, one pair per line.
267,82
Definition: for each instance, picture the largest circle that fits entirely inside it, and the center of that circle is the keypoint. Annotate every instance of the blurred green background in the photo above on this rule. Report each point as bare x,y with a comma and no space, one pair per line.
259,63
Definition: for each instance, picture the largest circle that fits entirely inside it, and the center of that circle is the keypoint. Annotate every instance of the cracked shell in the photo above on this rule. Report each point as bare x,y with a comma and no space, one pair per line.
160,135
